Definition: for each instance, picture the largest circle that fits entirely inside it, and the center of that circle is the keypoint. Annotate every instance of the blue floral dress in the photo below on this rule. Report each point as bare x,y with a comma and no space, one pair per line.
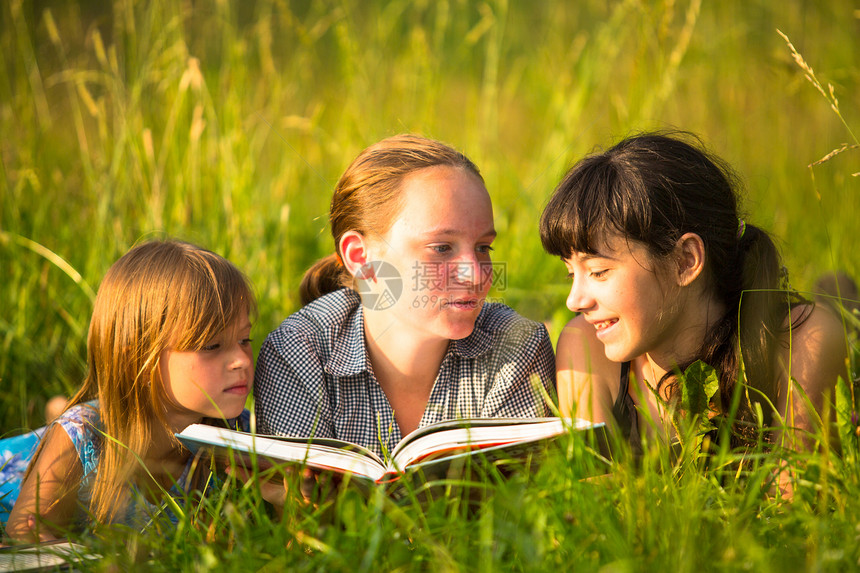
15,455
83,425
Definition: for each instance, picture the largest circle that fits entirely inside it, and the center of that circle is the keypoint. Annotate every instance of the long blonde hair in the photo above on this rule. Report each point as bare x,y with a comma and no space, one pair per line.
367,198
159,295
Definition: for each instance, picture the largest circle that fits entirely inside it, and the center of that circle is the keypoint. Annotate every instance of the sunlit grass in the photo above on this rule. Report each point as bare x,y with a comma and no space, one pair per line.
227,124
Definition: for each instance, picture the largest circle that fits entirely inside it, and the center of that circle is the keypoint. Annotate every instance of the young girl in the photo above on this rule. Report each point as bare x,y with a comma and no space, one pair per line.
664,273
168,346
396,333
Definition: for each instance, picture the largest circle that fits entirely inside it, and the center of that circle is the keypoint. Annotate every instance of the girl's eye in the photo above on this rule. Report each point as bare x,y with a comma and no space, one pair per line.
485,249
246,341
599,274
441,249
211,347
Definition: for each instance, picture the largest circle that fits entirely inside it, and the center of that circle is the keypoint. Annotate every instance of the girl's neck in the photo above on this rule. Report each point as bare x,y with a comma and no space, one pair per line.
699,315
164,447
402,360
699,312
164,463
406,368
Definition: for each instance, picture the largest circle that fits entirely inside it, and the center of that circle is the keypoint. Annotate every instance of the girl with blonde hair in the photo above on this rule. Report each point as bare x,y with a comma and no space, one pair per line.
396,332
168,346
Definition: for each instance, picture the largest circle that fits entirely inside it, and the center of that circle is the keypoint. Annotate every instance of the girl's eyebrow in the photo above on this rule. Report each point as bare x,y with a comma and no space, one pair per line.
457,232
591,256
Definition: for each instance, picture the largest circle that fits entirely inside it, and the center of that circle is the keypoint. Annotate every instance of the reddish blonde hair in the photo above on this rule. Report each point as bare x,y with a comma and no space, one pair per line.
367,199
159,295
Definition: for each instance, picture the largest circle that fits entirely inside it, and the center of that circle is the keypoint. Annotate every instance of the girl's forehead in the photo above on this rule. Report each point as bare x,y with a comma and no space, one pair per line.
199,333
241,321
445,200
604,244
614,246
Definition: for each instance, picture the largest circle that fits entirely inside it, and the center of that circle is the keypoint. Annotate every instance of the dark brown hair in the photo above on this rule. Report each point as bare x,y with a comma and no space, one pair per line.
367,199
653,188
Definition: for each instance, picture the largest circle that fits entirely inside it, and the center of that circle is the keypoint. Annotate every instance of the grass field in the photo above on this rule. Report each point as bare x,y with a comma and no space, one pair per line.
227,124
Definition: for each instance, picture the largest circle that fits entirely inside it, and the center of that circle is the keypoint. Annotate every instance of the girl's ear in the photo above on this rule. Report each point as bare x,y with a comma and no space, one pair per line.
353,249
691,258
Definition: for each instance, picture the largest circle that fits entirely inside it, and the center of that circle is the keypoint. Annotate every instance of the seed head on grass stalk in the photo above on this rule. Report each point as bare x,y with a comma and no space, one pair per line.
829,95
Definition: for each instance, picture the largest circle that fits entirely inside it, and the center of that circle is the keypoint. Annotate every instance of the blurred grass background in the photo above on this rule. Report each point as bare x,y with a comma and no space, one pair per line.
227,124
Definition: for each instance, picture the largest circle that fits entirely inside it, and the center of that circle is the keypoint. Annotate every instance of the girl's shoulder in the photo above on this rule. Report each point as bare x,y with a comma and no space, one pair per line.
812,325
587,380
503,330
81,418
814,347
580,350
816,325
82,422
331,308
321,320
500,320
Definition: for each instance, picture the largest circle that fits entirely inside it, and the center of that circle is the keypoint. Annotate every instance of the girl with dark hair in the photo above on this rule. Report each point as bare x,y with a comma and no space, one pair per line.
664,273
395,333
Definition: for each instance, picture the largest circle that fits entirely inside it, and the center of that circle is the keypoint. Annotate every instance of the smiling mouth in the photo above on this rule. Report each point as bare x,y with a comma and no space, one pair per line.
604,324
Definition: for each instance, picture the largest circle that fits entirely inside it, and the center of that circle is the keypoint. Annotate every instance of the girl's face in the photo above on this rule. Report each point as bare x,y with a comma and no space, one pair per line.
212,382
440,246
619,293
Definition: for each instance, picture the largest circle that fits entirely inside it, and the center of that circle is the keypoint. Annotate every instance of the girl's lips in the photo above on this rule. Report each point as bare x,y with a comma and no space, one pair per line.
237,389
466,304
603,326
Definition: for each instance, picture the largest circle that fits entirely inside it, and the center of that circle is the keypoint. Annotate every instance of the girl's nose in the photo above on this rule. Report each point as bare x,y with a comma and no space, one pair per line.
242,357
466,271
579,299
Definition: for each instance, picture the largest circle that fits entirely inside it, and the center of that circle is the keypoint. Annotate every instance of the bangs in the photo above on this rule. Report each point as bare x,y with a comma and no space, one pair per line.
585,209
211,296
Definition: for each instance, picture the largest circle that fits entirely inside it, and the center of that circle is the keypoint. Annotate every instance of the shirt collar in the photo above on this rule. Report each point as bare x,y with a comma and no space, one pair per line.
477,343
349,354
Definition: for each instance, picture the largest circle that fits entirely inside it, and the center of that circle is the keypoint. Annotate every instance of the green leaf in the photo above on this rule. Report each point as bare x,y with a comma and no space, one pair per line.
844,413
698,385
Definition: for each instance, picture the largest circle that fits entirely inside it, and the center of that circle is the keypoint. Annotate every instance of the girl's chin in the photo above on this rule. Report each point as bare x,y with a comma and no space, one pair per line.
462,328
616,354
232,412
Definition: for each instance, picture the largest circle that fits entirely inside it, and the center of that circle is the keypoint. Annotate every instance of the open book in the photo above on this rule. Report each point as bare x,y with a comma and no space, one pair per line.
434,446
60,555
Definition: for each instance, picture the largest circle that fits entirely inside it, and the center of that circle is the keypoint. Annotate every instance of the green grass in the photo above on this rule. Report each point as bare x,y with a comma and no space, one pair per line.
227,124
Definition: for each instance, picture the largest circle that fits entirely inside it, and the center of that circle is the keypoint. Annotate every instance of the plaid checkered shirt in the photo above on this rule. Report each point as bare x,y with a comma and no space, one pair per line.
314,376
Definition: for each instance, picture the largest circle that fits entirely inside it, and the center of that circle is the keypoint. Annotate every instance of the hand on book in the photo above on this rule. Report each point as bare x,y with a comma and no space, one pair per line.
277,482
33,533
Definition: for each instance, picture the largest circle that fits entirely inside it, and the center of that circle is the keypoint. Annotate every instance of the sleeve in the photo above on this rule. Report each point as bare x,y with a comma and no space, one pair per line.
290,396
82,423
15,454
526,355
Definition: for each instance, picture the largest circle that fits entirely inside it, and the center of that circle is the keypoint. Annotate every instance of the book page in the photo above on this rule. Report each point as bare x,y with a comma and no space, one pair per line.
457,436
321,453
56,555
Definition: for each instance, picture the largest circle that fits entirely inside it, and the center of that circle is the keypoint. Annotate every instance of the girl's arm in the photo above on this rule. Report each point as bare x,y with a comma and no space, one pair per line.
46,505
583,373
816,358
522,359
